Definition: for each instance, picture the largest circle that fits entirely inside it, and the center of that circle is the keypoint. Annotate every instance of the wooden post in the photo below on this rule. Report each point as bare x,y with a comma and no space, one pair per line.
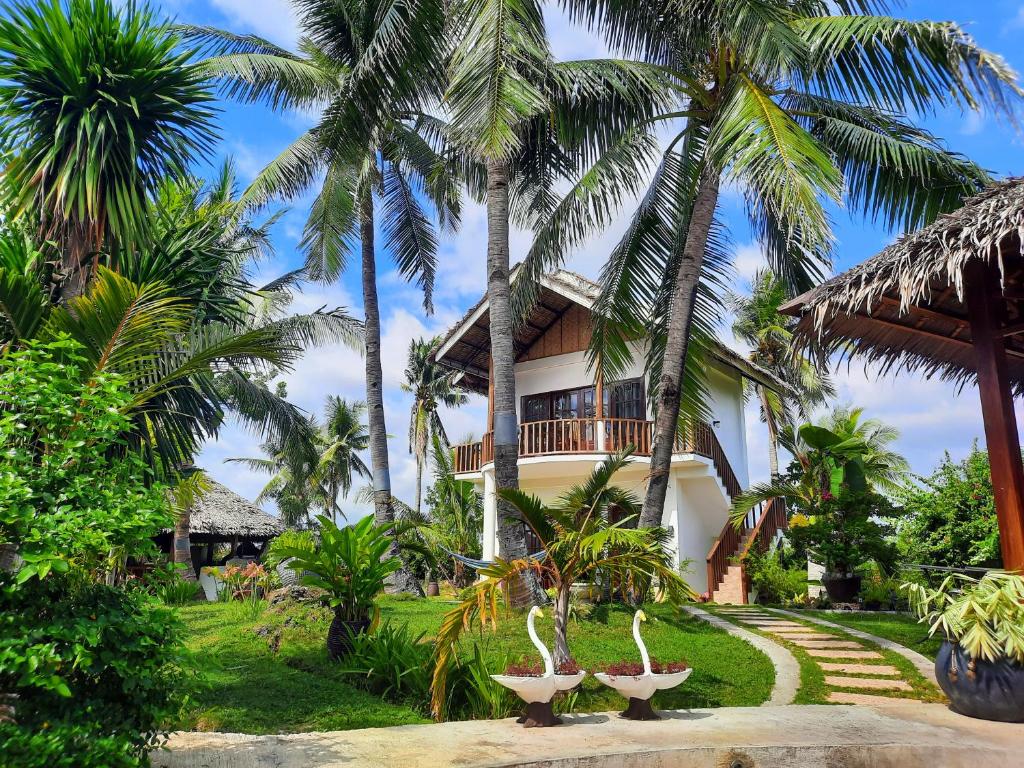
490,394
985,312
599,427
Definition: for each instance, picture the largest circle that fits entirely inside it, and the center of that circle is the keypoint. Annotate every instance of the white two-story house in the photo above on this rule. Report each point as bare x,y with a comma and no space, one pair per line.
569,420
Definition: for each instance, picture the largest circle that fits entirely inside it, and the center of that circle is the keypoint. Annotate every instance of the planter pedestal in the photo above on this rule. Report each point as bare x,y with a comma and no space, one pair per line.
539,714
639,709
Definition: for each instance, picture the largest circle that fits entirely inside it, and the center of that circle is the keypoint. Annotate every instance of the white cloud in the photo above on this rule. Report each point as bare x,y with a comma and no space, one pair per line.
272,19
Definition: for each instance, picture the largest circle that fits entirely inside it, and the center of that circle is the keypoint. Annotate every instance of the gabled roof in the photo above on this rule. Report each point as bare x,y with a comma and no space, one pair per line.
466,346
905,306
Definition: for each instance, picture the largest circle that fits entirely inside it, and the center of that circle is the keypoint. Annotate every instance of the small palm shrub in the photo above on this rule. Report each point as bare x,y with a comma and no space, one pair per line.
392,663
774,582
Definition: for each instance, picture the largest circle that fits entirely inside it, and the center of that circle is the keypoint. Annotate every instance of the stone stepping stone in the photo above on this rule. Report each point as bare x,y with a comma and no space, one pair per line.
858,669
839,653
770,625
841,681
866,699
803,636
828,644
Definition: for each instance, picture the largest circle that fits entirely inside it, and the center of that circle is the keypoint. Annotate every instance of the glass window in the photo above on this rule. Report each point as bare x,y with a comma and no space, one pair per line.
536,407
626,400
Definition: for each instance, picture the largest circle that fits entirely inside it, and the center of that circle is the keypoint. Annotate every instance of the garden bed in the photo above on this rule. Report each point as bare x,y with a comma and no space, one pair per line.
271,674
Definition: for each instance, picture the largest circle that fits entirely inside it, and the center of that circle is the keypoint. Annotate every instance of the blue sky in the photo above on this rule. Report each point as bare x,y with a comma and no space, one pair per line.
931,415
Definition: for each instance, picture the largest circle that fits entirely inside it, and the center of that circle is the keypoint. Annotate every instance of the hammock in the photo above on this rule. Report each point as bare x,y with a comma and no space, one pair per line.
478,564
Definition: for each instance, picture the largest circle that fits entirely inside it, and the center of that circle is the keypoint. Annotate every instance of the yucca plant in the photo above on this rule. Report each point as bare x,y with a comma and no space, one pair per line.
984,616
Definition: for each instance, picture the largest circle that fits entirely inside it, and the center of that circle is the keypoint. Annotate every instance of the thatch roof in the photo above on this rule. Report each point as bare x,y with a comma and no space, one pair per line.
905,307
467,345
221,514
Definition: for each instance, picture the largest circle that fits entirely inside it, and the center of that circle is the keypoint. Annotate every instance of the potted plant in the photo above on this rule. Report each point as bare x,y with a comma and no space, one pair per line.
980,665
351,564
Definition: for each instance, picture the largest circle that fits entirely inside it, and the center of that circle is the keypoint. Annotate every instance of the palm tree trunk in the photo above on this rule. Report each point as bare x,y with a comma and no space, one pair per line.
181,550
511,532
773,435
678,338
561,625
383,511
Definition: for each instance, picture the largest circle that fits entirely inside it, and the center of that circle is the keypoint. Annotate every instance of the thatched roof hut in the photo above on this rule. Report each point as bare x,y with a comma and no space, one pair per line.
906,307
222,515
947,300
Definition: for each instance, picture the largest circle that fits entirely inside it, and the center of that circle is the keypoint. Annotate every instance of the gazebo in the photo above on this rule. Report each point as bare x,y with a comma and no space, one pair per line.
221,516
947,301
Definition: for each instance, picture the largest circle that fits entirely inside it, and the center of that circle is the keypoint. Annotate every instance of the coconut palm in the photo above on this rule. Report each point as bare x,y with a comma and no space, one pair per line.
371,70
98,105
341,439
579,539
527,124
758,322
796,104
431,386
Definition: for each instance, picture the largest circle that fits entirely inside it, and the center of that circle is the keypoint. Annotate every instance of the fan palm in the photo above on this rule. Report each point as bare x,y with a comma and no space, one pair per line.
794,103
431,386
99,105
769,333
578,540
528,123
370,69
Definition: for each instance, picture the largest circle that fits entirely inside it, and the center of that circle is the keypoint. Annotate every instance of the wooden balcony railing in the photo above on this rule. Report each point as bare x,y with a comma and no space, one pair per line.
555,436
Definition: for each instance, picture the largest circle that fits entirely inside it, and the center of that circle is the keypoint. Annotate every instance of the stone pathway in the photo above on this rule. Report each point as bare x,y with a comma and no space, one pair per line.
855,673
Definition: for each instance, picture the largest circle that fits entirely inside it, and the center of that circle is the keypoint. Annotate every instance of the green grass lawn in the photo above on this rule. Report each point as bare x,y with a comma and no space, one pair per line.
899,628
271,674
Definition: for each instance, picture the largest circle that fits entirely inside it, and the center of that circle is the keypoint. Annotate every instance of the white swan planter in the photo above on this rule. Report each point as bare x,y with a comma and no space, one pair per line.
537,692
639,688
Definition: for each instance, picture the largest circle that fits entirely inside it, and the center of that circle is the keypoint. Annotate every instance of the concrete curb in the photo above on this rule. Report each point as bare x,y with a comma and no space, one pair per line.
922,663
787,670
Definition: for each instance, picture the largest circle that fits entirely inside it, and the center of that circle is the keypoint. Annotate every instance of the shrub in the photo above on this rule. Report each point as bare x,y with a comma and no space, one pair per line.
392,662
473,695
774,582
97,671
950,518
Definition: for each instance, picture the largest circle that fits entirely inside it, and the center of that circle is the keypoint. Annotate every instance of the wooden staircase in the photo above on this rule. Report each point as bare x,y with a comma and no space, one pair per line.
727,580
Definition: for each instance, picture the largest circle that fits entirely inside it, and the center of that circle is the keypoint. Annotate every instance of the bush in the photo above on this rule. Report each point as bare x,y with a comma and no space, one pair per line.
391,662
950,518
97,671
774,582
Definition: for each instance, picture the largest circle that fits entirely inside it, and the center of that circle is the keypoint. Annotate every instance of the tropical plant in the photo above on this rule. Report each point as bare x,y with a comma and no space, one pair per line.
579,540
984,616
372,71
431,386
99,105
758,322
341,438
527,124
949,518
350,564
456,520
774,580
392,663
796,105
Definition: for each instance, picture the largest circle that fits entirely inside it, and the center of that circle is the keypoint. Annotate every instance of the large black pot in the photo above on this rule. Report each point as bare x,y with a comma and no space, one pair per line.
340,634
841,589
989,690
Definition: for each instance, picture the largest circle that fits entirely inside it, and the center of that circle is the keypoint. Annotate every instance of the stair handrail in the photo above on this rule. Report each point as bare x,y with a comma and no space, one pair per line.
772,520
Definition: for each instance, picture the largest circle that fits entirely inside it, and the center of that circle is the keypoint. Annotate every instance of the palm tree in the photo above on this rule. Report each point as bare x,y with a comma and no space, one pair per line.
371,68
758,322
884,468
528,123
98,105
431,386
578,539
795,104
342,437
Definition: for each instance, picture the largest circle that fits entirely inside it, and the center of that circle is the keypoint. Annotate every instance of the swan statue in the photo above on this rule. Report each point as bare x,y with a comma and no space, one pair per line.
639,688
537,692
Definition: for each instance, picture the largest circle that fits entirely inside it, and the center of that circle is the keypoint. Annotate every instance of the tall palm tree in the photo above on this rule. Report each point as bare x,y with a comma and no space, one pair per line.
758,322
797,104
528,123
371,69
341,439
98,105
431,386
885,468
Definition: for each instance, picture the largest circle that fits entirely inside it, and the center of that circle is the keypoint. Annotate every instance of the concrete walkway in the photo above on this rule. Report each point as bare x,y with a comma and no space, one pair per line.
853,672
912,735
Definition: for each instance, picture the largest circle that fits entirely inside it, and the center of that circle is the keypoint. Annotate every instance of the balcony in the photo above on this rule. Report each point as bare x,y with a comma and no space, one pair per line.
575,436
